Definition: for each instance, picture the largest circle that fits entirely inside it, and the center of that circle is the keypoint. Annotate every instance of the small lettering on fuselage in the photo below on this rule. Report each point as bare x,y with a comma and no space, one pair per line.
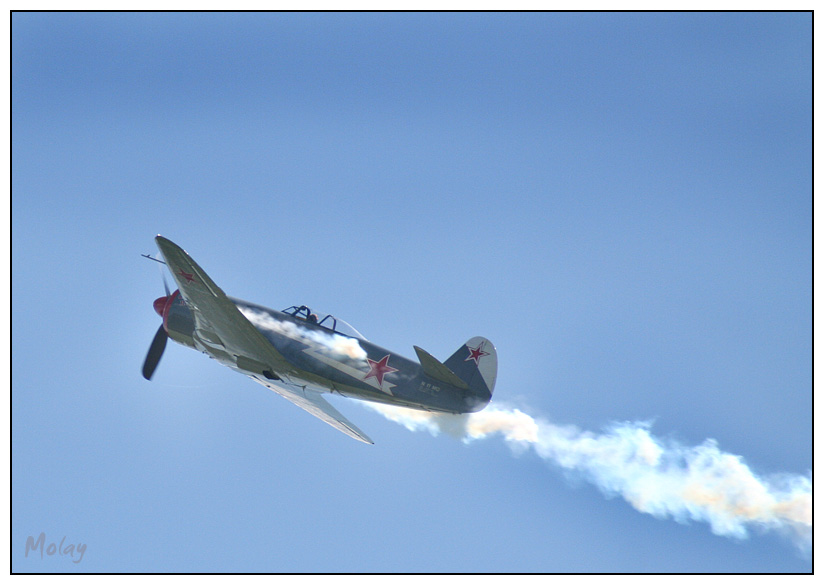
428,388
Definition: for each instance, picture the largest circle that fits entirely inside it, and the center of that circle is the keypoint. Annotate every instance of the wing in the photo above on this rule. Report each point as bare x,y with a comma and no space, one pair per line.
218,322
313,403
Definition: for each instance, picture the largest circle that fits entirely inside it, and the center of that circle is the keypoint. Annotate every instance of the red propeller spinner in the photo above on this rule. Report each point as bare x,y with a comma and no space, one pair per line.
163,304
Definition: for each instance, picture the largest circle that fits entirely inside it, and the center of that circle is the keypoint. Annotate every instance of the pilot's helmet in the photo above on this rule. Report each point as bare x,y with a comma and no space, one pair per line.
313,318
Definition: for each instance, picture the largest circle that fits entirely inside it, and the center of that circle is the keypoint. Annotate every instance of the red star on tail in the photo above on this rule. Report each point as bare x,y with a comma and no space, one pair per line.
476,353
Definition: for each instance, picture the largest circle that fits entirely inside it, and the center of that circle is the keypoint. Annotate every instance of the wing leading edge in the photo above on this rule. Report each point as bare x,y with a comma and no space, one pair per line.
218,322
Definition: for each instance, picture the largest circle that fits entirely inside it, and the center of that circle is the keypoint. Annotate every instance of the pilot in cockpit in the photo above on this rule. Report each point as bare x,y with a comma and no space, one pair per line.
310,316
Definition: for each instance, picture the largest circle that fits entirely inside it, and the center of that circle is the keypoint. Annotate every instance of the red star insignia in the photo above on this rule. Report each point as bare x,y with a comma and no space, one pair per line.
378,370
476,353
187,276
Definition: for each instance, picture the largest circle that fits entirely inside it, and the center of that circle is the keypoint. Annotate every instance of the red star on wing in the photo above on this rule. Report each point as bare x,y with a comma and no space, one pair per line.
476,353
378,370
187,276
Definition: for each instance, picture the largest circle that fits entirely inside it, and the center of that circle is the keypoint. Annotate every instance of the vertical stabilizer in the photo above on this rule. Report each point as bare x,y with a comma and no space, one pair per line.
476,363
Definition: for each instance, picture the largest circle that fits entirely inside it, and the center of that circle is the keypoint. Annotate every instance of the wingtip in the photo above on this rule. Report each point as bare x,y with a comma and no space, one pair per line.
360,436
167,244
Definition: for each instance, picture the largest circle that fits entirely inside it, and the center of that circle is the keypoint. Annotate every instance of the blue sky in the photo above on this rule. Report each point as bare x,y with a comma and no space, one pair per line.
622,203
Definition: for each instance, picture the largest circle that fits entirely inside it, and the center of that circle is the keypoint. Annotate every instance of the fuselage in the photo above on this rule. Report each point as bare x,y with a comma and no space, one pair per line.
321,358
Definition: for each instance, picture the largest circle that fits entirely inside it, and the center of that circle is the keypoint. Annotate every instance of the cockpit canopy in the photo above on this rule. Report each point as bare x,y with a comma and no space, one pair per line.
325,321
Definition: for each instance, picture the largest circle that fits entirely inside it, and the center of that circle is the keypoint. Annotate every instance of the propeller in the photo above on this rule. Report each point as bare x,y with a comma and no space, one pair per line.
155,352
161,306
165,284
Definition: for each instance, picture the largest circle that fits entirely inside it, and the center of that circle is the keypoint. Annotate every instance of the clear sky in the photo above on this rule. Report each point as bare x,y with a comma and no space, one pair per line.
622,203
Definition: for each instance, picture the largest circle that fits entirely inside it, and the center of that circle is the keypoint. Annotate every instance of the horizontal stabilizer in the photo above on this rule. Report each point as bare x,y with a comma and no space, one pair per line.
435,369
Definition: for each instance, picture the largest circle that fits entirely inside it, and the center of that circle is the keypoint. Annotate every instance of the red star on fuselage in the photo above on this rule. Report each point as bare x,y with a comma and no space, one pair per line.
378,370
187,276
476,353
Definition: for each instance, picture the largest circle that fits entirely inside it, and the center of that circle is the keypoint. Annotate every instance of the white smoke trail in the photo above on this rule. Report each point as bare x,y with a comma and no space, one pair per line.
657,477
339,344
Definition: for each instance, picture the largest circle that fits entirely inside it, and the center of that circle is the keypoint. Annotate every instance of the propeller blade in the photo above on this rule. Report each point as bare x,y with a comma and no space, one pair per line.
155,352
165,284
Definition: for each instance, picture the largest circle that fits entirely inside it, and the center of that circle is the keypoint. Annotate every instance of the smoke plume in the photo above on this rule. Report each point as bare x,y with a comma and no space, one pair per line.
334,343
655,476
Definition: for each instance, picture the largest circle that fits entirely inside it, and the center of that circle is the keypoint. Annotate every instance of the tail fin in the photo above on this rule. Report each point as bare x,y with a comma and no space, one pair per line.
476,363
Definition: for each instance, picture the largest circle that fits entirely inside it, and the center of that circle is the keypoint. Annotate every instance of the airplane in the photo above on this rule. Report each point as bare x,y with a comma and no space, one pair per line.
301,354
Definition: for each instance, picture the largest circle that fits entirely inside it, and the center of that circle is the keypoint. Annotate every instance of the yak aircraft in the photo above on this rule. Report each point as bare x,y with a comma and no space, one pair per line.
301,354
